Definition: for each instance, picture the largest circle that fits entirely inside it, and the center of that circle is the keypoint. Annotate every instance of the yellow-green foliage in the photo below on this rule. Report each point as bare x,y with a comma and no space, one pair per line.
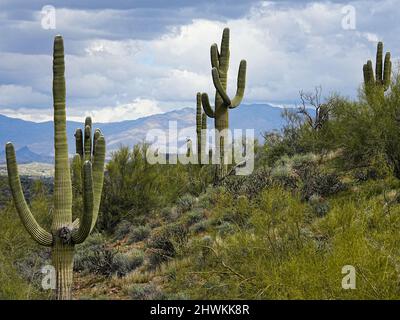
14,245
285,251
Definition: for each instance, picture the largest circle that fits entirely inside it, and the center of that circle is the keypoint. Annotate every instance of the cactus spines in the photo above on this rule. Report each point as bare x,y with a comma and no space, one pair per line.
201,127
383,69
220,66
64,233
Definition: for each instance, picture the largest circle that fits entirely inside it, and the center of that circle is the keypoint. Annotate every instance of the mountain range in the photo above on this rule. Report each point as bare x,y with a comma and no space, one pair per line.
34,140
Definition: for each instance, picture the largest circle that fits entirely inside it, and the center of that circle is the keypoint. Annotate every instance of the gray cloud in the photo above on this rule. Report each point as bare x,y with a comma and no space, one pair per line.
134,57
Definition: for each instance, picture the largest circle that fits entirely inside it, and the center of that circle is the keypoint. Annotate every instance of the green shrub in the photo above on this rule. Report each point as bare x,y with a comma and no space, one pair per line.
225,228
146,292
84,251
321,184
139,233
164,243
94,256
319,206
200,226
193,216
122,229
185,203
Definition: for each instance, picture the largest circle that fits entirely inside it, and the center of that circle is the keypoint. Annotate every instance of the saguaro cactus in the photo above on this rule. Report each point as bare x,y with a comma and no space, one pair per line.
64,234
383,70
201,127
220,66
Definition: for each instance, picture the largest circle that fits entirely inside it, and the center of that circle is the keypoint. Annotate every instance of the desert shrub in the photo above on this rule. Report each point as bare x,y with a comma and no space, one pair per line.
165,213
160,249
225,228
20,257
108,262
29,267
257,182
200,226
95,256
284,175
84,251
320,207
122,229
362,175
185,203
205,200
125,263
133,187
146,292
164,243
322,184
139,233
250,185
193,216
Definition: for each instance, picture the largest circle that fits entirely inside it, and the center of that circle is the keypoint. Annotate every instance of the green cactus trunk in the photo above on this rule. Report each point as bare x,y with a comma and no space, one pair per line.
201,127
64,234
63,249
221,122
220,112
63,262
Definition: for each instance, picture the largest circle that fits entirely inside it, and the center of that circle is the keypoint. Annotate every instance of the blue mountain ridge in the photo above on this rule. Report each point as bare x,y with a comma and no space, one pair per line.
34,140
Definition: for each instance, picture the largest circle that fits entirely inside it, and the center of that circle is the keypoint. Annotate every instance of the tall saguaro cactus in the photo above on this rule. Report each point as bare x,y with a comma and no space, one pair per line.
220,112
201,127
383,70
64,233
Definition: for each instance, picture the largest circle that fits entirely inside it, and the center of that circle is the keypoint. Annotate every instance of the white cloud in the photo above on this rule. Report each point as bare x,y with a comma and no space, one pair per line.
20,95
289,47
137,109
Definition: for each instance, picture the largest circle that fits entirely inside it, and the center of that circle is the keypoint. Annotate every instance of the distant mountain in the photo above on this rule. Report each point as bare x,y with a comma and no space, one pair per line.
24,155
35,140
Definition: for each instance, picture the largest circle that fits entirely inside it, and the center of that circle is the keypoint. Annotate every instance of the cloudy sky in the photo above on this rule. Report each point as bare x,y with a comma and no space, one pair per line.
127,59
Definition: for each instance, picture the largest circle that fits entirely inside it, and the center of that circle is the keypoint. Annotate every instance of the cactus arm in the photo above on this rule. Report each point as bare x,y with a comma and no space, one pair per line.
62,176
241,85
97,134
204,121
98,175
387,71
40,235
79,142
378,63
365,73
219,87
214,56
88,139
79,235
224,56
206,105
88,122
369,73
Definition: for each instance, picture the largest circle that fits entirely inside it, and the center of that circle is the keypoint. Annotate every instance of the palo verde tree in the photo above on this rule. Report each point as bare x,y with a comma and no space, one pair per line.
64,233
220,112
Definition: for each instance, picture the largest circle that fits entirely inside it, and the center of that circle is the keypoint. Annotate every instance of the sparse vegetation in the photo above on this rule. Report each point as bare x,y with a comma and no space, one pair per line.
325,193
